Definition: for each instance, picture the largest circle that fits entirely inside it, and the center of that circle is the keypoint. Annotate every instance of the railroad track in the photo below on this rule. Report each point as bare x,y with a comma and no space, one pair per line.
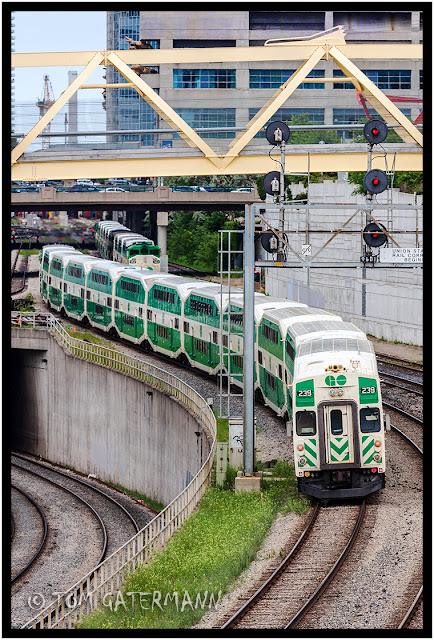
413,607
401,383
24,273
88,489
403,413
279,602
399,362
180,269
42,538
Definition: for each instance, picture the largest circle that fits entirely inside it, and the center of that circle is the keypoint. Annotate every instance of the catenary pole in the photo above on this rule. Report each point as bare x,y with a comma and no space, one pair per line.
249,329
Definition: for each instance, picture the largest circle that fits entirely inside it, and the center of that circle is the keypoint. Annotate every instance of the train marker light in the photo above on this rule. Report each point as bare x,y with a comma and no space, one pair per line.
378,443
306,474
300,447
374,470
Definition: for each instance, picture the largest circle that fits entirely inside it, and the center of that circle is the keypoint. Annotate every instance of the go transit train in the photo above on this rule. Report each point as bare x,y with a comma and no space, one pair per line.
116,242
315,370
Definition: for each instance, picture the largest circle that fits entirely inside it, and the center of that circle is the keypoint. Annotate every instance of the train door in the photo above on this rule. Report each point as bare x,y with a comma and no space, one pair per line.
339,434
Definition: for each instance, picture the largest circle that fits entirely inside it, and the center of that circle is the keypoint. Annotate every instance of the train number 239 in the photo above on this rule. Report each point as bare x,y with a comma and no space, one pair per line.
368,390
304,392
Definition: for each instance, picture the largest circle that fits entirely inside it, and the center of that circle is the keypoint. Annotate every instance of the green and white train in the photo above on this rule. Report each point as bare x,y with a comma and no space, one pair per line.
315,370
116,242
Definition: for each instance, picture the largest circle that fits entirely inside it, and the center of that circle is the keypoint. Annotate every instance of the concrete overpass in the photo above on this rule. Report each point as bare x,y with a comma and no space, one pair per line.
161,199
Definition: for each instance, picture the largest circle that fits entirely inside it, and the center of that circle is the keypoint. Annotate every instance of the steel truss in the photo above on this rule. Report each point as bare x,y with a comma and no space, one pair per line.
323,46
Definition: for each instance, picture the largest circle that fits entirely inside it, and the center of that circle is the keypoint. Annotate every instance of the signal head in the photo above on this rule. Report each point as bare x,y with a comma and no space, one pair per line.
375,181
375,131
373,234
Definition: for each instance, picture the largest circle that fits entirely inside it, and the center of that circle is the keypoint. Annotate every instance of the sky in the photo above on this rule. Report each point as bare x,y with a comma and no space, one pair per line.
44,31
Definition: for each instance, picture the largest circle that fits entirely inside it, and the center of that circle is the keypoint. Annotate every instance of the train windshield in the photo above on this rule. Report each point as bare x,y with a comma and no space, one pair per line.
306,423
369,420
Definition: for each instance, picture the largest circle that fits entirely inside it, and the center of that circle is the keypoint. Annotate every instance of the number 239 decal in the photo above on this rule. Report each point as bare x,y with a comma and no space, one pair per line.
304,392
368,390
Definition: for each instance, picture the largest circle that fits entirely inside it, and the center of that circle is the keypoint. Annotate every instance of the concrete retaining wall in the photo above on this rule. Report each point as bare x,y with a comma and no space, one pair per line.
99,421
393,299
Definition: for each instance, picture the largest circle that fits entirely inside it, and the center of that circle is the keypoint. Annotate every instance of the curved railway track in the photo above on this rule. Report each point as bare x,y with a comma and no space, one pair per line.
409,385
281,589
43,537
412,609
399,362
83,483
23,281
77,497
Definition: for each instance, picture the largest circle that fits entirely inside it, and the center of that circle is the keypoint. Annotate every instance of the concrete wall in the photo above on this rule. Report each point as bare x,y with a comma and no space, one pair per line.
393,296
100,421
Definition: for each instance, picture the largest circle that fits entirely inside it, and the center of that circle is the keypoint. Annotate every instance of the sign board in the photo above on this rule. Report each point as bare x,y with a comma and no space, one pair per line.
236,442
401,254
306,250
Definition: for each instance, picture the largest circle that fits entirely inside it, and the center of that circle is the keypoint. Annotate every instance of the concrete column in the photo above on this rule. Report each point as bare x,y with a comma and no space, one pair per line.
162,223
328,20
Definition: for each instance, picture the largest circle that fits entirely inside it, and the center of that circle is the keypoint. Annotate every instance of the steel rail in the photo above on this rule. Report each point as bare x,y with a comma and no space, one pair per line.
399,386
401,362
25,268
16,260
56,484
332,573
44,535
403,413
83,482
276,573
410,611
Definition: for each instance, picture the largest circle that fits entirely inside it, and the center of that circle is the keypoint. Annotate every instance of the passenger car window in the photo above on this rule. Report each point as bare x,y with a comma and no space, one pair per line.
336,422
306,423
369,420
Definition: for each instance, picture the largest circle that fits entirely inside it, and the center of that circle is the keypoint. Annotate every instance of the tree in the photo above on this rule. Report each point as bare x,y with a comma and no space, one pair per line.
310,137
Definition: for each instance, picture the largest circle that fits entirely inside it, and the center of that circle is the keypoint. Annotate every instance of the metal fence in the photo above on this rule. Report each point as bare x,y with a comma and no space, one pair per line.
84,596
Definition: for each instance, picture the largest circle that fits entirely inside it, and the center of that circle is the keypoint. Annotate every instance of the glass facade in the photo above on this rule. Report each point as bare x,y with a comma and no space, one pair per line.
390,78
210,117
127,108
274,78
337,73
204,78
357,116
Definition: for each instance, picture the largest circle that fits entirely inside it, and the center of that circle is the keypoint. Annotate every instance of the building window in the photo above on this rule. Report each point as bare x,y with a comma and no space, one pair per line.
337,73
201,44
204,78
390,78
198,118
316,116
274,78
301,22
356,116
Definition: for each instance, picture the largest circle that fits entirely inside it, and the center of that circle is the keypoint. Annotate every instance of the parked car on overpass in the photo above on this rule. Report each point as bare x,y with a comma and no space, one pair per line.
82,187
114,189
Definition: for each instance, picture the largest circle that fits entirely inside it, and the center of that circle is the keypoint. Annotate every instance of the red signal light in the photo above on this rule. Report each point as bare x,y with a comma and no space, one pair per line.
375,181
375,235
374,470
375,132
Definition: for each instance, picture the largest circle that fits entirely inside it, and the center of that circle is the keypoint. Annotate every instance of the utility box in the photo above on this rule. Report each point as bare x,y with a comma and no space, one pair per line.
221,462
236,443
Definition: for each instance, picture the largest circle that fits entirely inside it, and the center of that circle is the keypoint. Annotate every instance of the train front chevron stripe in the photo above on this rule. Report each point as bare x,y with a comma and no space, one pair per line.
339,452
368,449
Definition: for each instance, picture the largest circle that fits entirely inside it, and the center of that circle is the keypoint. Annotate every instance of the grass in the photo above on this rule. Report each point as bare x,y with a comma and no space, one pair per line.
215,545
25,304
150,502
30,252
222,430
90,337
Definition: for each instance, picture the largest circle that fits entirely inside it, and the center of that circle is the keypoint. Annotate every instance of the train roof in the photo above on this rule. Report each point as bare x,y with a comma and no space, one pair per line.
184,286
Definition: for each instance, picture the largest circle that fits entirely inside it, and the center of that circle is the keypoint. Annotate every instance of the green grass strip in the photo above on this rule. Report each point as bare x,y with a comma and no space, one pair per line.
215,545
153,504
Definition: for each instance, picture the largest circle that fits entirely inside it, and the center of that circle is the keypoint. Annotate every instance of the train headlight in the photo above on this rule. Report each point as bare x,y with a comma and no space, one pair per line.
332,392
378,443
300,447
377,457
340,392
302,461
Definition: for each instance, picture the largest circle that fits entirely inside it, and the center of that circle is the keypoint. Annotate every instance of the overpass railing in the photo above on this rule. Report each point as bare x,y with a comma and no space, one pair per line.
85,595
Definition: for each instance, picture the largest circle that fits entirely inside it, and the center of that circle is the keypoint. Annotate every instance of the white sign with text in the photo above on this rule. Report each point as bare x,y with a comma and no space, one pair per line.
401,254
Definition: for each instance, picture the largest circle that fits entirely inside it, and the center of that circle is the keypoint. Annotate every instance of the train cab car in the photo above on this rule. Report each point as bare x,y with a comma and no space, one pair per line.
338,430
44,266
133,246
103,236
130,293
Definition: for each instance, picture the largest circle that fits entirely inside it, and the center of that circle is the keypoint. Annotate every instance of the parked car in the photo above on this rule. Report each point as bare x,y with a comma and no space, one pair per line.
114,189
82,187
243,190
184,188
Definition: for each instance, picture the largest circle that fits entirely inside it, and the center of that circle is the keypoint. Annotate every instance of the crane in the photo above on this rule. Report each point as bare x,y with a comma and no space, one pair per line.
44,104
